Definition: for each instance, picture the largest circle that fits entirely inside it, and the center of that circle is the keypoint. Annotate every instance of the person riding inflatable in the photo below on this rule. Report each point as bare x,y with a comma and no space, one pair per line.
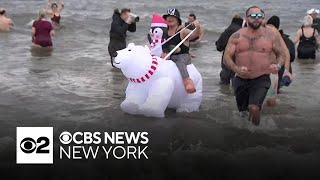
155,83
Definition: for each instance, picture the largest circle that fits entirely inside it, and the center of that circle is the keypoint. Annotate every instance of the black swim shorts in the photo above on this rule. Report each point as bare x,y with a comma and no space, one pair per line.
251,91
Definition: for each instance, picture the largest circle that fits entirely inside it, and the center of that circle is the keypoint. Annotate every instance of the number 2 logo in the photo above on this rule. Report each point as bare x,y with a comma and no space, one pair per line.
29,145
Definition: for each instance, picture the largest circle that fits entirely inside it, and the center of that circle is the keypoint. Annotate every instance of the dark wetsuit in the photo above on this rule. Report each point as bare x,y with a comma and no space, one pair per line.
307,46
56,19
42,36
182,58
118,34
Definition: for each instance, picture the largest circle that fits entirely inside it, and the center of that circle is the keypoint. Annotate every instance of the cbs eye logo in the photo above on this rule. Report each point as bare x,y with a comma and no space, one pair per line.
29,145
34,145
65,137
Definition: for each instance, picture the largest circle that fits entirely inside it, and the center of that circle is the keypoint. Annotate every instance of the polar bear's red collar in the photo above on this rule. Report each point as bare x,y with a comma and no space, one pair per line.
150,72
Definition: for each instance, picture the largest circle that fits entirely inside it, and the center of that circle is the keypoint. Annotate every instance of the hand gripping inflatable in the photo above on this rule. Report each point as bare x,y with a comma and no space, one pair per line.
155,83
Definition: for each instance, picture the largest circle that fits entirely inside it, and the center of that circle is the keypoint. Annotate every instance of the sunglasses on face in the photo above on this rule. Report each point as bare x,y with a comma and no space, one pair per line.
256,15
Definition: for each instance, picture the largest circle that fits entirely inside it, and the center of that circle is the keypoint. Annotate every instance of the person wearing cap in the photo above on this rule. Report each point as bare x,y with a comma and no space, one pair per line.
226,75
253,53
121,23
307,39
181,56
316,21
6,23
42,31
274,21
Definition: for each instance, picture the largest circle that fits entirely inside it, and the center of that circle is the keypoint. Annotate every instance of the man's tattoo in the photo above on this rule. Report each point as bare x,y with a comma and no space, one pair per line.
235,35
230,50
279,49
252,40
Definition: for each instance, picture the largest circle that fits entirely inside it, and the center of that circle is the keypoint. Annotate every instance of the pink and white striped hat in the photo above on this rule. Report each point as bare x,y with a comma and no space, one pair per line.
158,21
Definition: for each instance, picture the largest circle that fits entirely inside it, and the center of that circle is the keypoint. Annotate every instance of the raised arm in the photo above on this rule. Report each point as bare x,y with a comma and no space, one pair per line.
49,5
117,26
132,27
61,5
47,9
195,34
49,2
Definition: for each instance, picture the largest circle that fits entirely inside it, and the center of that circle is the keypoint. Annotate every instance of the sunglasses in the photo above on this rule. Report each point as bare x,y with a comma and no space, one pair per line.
256,15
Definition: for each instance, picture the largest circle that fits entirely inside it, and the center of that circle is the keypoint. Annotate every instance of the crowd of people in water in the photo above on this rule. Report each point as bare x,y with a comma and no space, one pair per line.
42,27
254,48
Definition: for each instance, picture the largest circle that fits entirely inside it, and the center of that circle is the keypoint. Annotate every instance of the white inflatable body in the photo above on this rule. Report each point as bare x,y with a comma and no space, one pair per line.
155,83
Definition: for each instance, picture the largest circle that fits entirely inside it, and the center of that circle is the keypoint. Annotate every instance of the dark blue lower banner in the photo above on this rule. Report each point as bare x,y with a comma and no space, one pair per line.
134,147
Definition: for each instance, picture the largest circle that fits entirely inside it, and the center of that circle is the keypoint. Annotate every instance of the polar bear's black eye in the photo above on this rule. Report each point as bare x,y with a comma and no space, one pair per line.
129,50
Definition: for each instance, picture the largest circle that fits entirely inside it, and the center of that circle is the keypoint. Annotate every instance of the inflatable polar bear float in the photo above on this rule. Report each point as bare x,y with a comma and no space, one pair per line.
155,83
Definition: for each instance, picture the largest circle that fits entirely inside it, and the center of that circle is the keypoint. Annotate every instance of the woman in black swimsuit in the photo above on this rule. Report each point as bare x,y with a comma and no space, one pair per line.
54,10
307,39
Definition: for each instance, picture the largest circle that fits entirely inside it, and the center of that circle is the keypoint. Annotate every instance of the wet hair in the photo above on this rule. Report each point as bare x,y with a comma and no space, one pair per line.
307,21
237,16
54,4
42,14
275,21
237,19
193,15
2,12
125,10
247,11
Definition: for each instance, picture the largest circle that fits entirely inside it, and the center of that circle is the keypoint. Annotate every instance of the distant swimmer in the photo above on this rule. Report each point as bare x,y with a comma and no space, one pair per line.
54,10
191,18
6,23
253,53
307,39
42,32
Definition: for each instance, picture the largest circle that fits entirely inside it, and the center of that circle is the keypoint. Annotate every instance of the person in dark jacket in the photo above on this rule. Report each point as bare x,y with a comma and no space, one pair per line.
275,22
316,21
226,74
121,23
